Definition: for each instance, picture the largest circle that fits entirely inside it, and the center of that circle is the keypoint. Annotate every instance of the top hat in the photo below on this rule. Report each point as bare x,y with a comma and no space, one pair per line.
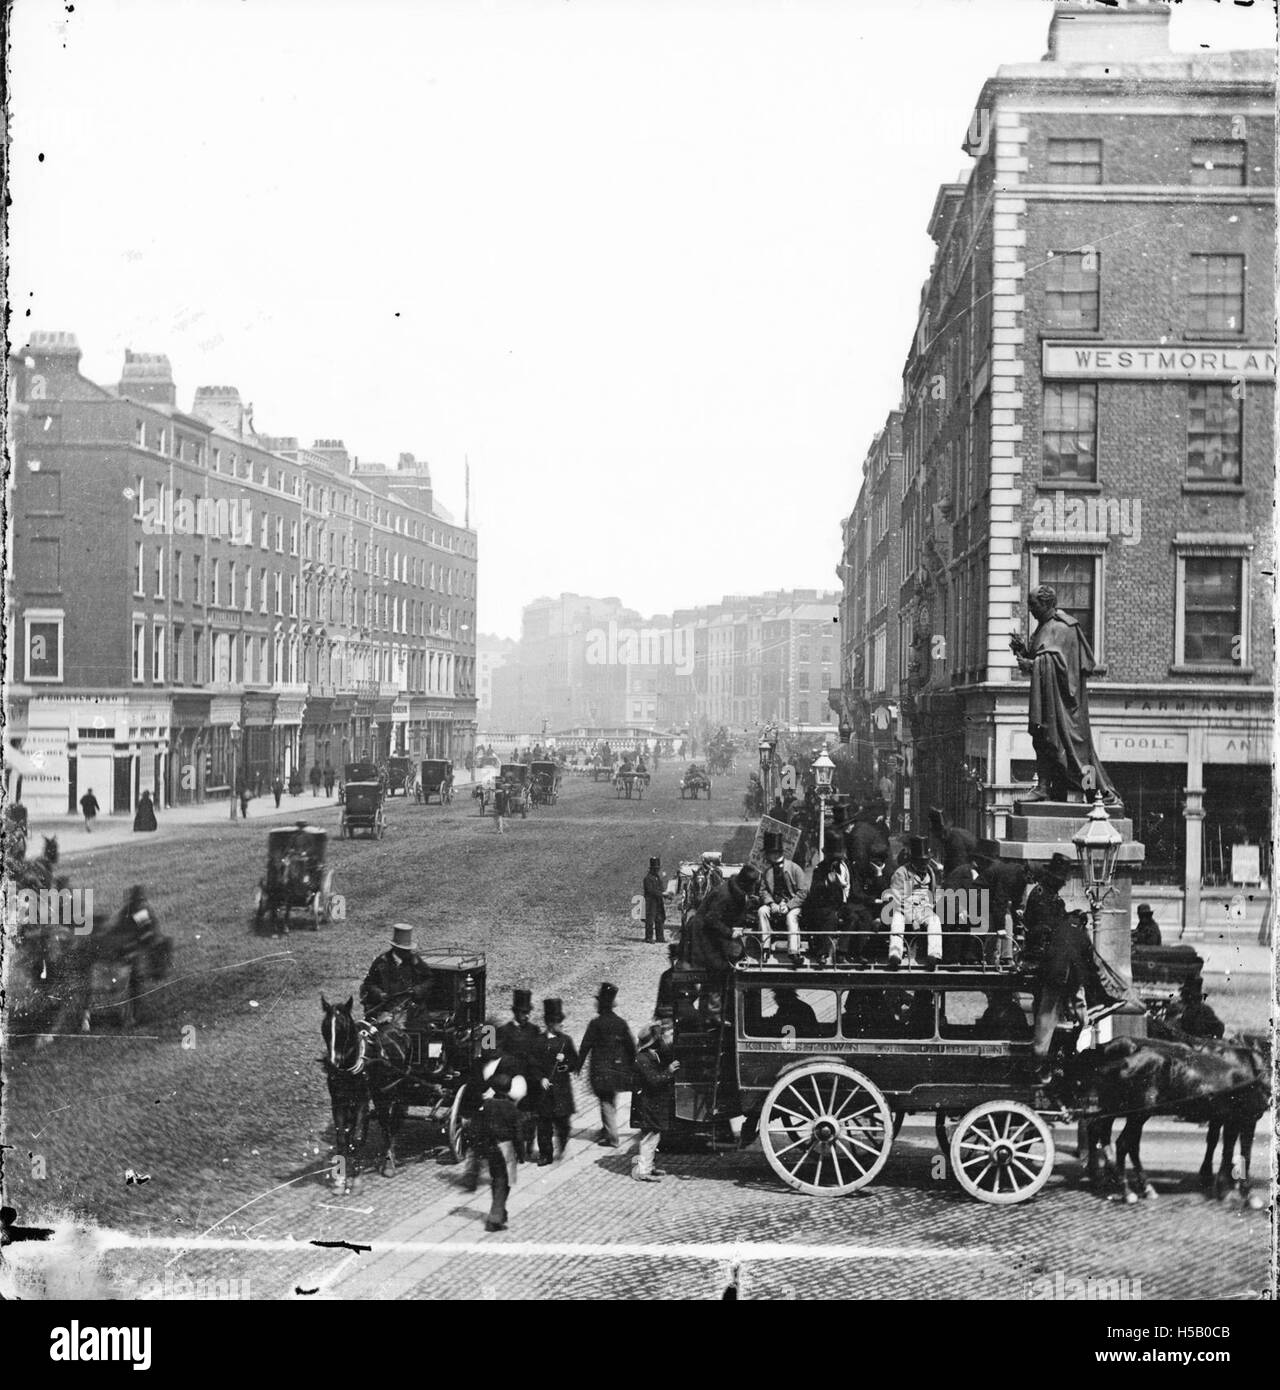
1144,910
748,876
772,842
833,844
1193,988
521,999
838,814
917,847
402,936
606,994
655,864
553,1010
1058,867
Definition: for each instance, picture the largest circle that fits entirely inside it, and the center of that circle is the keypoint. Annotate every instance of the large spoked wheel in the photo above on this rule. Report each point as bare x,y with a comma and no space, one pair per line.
825,1129
1002,1152
457,1130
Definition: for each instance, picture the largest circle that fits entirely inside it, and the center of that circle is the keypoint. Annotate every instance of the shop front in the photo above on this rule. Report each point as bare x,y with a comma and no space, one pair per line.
259,748
191,725
321,743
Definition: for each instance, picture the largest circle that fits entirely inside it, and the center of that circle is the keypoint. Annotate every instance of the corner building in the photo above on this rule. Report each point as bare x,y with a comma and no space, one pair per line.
1089,404
191,602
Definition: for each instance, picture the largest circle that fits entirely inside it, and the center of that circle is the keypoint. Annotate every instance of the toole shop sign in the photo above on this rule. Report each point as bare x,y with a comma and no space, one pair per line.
1158,362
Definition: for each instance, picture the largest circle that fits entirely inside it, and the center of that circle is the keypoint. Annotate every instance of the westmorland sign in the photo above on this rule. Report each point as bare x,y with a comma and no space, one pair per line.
1158,362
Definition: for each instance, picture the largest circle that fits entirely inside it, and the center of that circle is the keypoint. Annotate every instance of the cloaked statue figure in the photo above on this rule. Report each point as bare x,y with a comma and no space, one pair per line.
1059,659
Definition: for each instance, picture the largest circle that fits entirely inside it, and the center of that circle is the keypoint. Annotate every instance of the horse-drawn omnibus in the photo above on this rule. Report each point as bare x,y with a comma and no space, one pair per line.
825,1062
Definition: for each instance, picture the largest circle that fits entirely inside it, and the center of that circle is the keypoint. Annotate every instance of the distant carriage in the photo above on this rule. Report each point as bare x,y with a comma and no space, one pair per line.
399,775
695,783
435,778
518,781
297,879
545,788
362,810
631,784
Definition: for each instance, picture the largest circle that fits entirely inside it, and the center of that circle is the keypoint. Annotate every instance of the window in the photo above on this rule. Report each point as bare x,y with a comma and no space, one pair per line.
1213,433
139,571
279,595
44,644
279,535
231,584
804,680
262,531
1071,432
262,590
293,538
157,654
1215,302
1217,162
217,460
804,711
179,567
215,584
1212,612
139,651
248,588
197,579
1073,579
791,1013
1071,290
179,655
1075,161
197,658
293,596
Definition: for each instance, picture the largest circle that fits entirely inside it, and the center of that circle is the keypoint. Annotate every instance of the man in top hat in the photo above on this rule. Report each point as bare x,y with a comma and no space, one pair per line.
913,896
1045,908
611,1051
1197,1018
713,935
823,912
518,1040
655,908
398,978
781,896
557,1059
1146,933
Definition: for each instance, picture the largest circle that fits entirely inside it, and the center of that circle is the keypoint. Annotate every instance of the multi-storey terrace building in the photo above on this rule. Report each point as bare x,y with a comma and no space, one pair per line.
193,603
1088,403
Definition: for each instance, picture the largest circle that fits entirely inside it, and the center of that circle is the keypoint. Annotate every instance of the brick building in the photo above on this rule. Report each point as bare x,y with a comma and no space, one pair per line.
1088,402
191,602
870,571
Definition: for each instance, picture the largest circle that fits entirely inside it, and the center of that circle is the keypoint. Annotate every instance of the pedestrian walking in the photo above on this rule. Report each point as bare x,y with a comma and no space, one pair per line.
244,801
518,1042
651,1096
497,1134
655,908
500,799
330,776
89,805
611,1050
144,818
316,779
557,1058
277,787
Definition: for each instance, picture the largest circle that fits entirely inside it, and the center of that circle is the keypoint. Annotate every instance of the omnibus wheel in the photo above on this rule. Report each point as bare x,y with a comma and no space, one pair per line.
1002,1152
456,1130
825,1129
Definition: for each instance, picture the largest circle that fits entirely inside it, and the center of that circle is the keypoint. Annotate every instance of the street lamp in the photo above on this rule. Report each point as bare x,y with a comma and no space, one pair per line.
235,748
1097,845
823,768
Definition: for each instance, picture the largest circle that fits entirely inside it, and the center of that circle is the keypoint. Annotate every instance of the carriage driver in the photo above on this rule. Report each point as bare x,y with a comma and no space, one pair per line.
397,975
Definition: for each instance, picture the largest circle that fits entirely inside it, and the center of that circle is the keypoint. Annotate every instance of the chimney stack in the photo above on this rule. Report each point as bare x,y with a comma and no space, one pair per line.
1091,33
147,376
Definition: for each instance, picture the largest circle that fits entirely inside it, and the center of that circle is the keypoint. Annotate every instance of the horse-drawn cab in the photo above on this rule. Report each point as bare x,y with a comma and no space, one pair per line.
546,783
824,1063
435,778
695,782
517,780
296,879
398,775
362,810
365,770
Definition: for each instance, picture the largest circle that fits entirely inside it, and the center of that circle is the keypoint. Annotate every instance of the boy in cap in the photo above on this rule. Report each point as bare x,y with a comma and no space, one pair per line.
781,896
609,1047
496,1133
913,890
556,1058
518,1040
655,908
651,1096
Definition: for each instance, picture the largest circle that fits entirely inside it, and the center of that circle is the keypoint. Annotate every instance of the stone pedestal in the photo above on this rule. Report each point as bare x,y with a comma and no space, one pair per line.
1035,832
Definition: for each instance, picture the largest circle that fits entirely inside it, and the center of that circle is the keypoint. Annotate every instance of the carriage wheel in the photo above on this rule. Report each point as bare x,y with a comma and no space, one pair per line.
380,827
317,912
899,1114
942,1130
825,1129
457,1129
259,908
1002,1152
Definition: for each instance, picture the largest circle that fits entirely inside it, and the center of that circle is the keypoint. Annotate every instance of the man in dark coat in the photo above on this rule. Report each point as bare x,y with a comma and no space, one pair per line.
144,818
792,1017
1006,882
556,1059
496,1133
89,806
611,1051
1056,938
329,778
955,842
866,839
651,1096
1146,933
277,787
397,977
714,932
518,1040
655,908
316,779
1197,1018
822,914
1059,661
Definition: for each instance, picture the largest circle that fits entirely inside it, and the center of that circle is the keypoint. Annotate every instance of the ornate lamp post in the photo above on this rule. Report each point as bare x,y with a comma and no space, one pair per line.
235,749
823,768
1097,845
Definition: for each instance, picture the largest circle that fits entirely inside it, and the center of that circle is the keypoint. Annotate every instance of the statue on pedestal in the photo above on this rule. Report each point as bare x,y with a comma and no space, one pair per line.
1058,659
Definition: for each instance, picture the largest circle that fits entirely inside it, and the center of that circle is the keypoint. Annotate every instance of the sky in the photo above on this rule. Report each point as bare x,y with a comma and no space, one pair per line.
650,268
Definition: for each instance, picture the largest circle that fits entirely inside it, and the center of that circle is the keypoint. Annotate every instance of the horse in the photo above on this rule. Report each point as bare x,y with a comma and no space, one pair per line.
1225,1086
346,1053
957,843
293,888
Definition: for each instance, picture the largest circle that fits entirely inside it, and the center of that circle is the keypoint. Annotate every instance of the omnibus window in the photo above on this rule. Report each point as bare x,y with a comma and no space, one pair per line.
877,1013
988,1014
786,1012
